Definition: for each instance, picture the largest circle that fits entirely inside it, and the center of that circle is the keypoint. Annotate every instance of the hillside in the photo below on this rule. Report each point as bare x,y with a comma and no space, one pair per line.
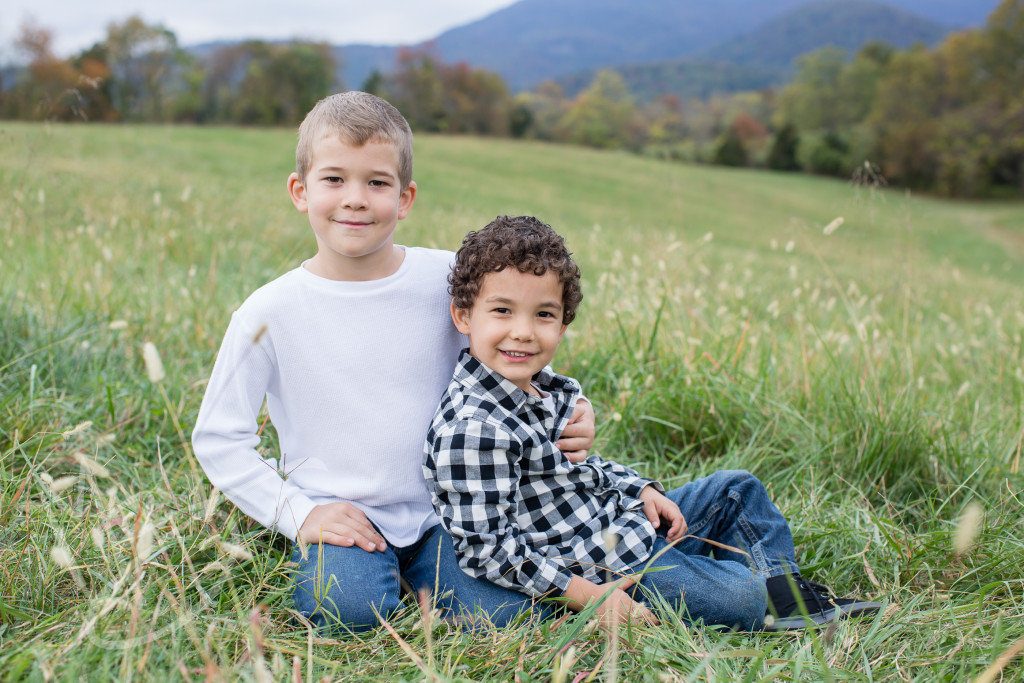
764,57
533,40
869,375
848,24
685,78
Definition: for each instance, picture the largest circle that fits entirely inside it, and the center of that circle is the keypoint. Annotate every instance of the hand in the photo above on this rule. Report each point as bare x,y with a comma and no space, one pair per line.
578,435
657,508
341,524
619,607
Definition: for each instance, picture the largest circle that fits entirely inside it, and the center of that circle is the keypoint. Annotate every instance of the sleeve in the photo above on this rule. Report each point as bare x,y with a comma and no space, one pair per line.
623,478
226,434
474,466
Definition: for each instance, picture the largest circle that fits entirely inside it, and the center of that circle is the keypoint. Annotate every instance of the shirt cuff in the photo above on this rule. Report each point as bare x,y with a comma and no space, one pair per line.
292,515
632,486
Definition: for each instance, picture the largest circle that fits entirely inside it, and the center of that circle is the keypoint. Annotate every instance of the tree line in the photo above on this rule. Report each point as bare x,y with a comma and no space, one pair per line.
948,120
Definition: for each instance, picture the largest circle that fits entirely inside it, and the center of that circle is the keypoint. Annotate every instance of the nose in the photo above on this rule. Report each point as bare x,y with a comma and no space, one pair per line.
354,198
522,328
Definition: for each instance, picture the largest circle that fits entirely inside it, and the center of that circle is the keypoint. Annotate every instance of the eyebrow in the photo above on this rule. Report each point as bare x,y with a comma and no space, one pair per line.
503,300
339,169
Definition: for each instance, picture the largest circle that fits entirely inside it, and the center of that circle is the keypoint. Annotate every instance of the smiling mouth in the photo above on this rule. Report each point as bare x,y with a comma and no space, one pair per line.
517,354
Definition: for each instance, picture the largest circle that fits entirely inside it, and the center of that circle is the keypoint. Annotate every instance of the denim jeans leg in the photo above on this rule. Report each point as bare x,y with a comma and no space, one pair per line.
436,568
732,507
714,592
339,588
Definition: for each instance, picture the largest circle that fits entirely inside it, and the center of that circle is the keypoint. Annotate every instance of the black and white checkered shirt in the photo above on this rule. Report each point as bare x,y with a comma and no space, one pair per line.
520,513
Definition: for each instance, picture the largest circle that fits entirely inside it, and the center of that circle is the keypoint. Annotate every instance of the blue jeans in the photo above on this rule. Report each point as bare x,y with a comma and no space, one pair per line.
338,588
730,507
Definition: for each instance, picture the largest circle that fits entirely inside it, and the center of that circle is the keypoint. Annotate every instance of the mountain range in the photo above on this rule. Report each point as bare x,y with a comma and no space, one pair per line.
754,41
766,56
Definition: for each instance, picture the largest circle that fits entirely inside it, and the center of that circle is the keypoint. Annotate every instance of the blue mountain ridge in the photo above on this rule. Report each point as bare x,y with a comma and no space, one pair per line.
534,40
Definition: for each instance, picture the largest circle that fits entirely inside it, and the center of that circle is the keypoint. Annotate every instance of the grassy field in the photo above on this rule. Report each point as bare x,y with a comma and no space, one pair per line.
870,371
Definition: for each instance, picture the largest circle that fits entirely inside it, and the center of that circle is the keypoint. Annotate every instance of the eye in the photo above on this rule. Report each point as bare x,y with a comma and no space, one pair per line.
501,311
334,180
546,314
379,183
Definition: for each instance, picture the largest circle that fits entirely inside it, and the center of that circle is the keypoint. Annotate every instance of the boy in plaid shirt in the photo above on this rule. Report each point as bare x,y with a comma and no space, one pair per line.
524,517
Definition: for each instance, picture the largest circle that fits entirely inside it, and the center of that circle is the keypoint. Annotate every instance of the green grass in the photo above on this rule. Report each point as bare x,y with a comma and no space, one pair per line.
873,378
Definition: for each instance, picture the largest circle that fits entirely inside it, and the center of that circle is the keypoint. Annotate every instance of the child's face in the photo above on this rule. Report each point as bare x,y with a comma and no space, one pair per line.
515,324
354,200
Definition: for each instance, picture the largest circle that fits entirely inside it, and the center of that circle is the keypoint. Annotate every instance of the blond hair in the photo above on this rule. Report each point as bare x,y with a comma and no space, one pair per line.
357,118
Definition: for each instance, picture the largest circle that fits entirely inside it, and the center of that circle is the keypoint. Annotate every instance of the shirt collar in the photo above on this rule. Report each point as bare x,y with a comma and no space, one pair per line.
479,378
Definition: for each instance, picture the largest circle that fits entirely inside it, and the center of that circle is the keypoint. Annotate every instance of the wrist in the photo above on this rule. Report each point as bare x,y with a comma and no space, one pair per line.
581,592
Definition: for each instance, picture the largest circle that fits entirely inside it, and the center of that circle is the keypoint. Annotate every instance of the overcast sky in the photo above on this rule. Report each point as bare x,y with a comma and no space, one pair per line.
77,24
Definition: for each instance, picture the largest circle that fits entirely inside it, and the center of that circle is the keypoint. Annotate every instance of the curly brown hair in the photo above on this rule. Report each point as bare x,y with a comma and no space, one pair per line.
522,242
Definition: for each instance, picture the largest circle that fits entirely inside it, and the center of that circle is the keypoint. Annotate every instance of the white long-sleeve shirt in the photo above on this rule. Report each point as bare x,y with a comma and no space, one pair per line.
352,373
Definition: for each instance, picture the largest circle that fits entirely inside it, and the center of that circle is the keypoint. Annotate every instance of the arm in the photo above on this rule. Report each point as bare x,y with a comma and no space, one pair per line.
474,469
225,440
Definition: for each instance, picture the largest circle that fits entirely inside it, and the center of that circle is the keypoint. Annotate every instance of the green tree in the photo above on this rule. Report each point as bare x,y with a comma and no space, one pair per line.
1004,38
474,101
601,115
547,106
858,81
828,155
813,100
905,118
142,59
277,84
445,98
415,88
783,154
374,83
730,150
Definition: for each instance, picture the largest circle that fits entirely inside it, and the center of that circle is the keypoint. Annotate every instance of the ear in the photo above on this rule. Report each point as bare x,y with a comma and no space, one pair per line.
460,316
405,201
562,333
297,191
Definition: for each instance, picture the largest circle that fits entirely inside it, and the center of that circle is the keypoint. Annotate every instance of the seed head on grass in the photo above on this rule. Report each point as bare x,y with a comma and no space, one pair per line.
833,226
154,366
77,429
90,466
967,528
62,483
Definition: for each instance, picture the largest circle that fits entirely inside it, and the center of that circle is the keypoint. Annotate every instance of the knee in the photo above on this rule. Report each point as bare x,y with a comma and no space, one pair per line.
332,609
331,597
743,483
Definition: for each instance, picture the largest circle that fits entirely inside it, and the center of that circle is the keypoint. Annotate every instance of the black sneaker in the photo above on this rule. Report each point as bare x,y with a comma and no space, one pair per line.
784,613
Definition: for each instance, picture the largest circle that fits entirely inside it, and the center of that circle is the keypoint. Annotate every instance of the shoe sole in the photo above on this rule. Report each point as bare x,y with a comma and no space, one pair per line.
854,610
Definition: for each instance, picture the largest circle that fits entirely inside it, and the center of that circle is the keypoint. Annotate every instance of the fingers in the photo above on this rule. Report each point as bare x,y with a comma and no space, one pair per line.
341,524
621,608
640,613
625,583
573,437
652,513
678,528
574,456
580,430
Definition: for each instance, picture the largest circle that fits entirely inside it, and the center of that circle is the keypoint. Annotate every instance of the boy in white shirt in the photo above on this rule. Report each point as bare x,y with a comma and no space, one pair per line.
350,351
